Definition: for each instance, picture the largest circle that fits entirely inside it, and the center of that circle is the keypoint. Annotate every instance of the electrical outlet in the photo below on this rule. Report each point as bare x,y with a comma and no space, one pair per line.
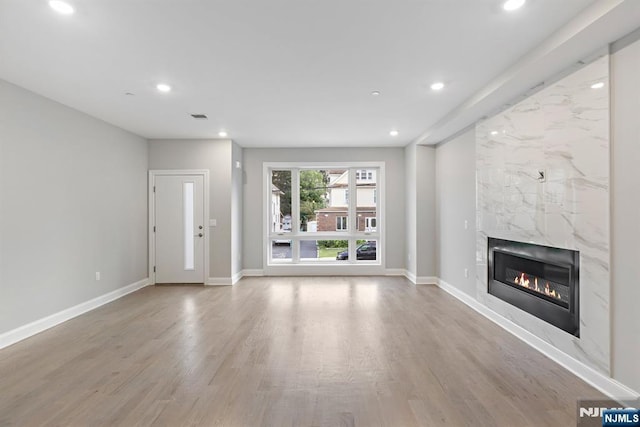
97,275
466,273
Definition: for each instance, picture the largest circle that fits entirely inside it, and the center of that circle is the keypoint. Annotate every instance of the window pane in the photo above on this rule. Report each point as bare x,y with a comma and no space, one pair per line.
281,250
324,250
367,209
189,242
366,250
280,209
330,214
314,199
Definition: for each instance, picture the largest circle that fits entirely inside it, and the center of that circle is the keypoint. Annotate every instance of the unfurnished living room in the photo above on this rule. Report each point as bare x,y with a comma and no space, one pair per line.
319,213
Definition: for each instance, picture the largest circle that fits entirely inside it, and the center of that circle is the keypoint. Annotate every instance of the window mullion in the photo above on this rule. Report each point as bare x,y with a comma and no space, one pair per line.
352,225
353,203
295,214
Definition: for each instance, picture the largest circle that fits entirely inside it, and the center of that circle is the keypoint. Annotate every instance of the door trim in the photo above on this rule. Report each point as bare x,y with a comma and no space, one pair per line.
152,214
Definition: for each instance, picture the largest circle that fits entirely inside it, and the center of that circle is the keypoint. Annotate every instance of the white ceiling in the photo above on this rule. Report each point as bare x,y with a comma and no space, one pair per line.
272,73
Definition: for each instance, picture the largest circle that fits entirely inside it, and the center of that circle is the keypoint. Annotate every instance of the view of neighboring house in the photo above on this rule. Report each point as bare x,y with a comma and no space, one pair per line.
276,215
334,217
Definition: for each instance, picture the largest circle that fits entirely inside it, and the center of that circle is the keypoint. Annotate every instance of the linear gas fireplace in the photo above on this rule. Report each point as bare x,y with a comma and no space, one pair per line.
541,280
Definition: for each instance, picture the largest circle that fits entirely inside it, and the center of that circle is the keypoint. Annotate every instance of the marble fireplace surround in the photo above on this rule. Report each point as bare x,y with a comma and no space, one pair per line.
562,130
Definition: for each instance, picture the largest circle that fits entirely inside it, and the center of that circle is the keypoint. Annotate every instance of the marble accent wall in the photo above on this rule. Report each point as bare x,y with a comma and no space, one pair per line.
562,130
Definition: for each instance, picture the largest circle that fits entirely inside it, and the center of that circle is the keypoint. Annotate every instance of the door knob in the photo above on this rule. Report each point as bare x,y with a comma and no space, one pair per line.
200,227
198,235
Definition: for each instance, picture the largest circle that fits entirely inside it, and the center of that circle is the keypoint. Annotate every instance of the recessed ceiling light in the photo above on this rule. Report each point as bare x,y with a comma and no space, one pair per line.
162,87
375,93
598,85
437,86
394,133
513,4
61,7
494,132
223,134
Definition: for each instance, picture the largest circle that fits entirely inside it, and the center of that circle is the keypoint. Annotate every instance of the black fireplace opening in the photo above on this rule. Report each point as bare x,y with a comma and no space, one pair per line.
541,280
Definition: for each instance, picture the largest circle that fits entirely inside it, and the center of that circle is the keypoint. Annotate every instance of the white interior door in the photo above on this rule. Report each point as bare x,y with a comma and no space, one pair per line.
179,228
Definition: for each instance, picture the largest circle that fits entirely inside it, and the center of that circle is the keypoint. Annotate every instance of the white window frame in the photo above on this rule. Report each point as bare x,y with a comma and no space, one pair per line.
298,266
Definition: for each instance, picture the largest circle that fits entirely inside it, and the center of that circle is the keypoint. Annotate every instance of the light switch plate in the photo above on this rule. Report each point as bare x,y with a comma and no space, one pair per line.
213,223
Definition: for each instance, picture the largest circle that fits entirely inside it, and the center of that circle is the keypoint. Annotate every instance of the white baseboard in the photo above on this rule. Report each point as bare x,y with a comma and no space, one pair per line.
235,278
33,328
255,272
395,272
252,272
420,280
219,281
412,277
605,384
225,281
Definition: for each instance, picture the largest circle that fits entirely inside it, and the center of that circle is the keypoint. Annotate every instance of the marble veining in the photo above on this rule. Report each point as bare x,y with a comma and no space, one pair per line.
563,132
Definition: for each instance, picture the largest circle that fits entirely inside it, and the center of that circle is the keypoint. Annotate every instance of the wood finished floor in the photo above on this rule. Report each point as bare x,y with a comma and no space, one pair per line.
284,352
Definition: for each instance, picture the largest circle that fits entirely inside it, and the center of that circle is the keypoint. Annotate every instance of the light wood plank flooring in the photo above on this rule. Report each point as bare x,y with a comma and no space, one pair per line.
363,351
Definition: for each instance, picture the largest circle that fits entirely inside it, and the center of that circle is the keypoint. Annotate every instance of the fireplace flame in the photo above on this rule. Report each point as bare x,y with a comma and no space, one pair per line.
524,281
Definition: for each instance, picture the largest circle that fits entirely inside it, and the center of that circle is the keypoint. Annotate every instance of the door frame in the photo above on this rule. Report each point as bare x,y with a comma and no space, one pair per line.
152,215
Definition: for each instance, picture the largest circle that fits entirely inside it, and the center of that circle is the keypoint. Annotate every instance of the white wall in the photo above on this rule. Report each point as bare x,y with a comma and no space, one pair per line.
426,235
217,157
455,201
420,215
410,196
72,202
253,197
625,212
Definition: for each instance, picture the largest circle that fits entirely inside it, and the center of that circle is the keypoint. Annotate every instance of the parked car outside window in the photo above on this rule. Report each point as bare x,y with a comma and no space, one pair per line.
366,251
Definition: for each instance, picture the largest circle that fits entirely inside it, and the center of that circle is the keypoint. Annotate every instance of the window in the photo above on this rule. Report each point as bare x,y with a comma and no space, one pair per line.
370,224
322,214
188,222
280,195
341,223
